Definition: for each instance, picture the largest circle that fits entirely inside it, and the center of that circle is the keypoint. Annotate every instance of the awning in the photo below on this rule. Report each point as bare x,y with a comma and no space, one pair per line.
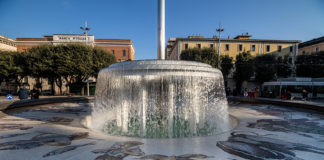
318,84
294,83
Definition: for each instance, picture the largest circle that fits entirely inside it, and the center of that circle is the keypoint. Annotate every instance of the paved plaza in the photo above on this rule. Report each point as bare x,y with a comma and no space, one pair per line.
58,131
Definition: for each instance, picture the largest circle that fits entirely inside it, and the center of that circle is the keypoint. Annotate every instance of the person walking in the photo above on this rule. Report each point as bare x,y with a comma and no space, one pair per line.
246,93
23,93
305,95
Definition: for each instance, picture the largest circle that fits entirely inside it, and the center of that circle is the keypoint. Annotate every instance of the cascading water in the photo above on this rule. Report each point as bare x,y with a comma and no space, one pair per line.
160,99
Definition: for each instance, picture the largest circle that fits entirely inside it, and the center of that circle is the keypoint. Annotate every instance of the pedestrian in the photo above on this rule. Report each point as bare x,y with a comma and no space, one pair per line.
34,94
283,95
23,93
256,92
245,93
305,95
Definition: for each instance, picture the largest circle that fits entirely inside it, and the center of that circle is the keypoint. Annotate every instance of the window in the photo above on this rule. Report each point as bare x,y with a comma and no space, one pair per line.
240,47
211,46
268,48
291,49
304,52
124,53
186,46
279,48
316,49
227,47
198,45
253,48
113,52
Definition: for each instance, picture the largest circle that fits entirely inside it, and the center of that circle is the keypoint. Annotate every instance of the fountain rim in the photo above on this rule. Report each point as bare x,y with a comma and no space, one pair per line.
193,63
161,66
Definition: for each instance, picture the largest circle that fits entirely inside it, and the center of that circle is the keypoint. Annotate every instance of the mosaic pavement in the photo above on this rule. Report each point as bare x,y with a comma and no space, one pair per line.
58,131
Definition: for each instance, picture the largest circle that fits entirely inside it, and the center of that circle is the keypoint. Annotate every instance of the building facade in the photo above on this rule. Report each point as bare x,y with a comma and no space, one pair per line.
123,49
7,44
312,46
231,47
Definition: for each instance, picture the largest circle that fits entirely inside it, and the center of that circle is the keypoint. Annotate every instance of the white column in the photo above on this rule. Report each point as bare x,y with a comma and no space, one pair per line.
161,29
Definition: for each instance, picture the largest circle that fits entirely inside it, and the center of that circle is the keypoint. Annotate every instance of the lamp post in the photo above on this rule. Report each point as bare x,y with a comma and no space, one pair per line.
85,30
219,30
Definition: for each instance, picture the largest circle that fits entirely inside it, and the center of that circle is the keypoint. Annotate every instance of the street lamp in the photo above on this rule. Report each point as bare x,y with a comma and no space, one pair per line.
85,30
219,30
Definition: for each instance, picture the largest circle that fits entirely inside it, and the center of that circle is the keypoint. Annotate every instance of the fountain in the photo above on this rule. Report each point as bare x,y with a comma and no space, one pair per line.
160,98
158,102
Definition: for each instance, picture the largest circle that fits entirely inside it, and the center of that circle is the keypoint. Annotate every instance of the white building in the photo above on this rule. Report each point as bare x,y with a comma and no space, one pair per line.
7,44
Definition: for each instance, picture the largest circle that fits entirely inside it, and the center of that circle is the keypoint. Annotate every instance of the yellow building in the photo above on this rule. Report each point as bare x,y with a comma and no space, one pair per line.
312,46
231,47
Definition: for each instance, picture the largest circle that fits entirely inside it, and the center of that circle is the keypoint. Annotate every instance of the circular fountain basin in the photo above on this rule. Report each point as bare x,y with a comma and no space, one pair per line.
160,99
54,131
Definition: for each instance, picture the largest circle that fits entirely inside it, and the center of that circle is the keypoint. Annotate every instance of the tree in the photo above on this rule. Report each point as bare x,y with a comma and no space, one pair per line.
81,63
42,63
284,66
70,62
12,67
205,55
226,65
311,65
243,68
101,59
265,67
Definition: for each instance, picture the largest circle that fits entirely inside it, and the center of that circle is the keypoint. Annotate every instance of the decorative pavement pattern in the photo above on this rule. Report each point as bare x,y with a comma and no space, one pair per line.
58,131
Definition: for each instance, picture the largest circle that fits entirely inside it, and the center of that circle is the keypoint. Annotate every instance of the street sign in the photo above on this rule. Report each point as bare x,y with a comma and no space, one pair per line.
9,97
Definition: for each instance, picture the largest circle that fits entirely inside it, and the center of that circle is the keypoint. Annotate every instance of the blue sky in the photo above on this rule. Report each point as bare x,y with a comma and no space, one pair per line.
137,19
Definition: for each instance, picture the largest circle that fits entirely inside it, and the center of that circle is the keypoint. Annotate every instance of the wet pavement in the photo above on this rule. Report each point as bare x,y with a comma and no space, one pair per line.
58,131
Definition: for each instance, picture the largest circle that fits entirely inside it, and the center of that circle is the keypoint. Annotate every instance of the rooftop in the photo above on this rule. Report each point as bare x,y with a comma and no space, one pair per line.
236,39
50,38
312,42
6,38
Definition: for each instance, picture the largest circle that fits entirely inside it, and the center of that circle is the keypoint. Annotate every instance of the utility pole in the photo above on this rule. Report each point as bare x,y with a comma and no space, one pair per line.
85,30
219,30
